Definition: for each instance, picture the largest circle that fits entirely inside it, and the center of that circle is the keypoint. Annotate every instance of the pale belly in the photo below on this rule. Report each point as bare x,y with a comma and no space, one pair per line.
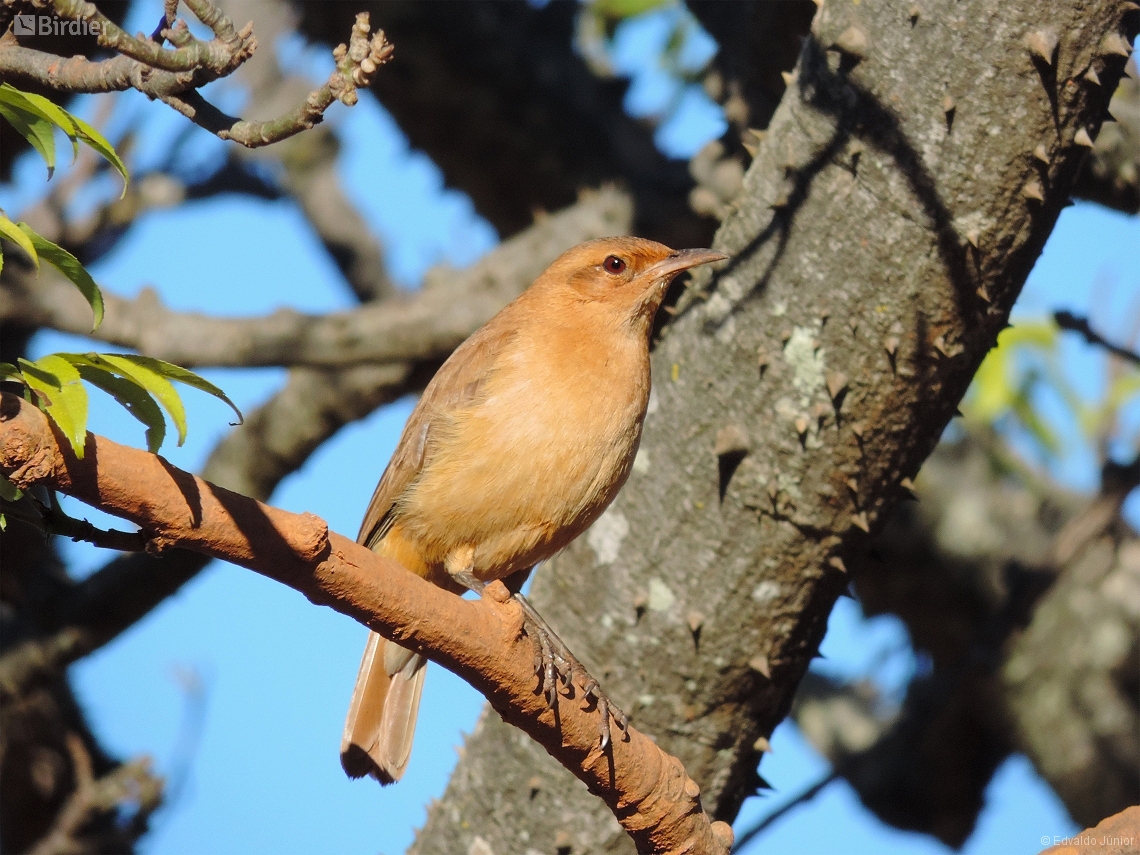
521,475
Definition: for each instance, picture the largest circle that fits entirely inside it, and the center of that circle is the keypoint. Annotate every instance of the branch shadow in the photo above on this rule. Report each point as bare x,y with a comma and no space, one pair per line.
858,115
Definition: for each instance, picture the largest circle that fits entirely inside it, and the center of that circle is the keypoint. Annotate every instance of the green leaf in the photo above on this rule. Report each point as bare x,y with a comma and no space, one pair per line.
182,375
29,102
1041,334
133,397
36,109
8,370
149,379
35,129
9,230
9,491
69,266
1124,387
58,384
620,9
991,393
98,142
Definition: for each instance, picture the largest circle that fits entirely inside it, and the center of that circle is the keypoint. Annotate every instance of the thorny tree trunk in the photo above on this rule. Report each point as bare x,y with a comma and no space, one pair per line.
885,228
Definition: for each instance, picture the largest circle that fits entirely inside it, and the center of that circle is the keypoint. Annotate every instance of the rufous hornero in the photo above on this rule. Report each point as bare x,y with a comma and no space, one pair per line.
519,442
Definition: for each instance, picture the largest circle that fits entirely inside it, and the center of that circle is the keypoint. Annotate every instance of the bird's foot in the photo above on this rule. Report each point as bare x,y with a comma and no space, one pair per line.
554,664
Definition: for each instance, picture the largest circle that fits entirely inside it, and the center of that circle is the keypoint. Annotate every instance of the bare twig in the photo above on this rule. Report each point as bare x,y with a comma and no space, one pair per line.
220,56
174,76
647,790
1068,321
762,824
122,541
356,64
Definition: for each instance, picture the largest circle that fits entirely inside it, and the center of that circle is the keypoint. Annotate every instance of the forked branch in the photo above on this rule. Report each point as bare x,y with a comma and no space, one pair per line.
175,75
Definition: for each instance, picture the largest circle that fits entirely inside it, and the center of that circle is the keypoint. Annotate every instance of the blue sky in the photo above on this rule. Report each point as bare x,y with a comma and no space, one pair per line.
254,752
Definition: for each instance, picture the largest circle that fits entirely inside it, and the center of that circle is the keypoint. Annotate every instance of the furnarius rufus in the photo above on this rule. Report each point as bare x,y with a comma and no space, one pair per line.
518,444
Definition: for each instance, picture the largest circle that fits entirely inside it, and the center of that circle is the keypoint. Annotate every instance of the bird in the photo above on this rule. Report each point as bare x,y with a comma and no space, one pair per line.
518,443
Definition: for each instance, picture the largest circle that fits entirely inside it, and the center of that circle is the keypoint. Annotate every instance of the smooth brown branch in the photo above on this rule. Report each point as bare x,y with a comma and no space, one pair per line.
647,790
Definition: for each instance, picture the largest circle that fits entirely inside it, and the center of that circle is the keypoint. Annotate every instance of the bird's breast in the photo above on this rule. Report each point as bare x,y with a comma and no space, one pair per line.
529,466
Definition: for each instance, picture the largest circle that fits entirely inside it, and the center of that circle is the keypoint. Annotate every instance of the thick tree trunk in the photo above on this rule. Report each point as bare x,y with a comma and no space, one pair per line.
885,228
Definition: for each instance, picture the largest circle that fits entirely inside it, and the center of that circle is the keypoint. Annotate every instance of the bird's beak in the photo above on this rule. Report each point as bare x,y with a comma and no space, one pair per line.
679,261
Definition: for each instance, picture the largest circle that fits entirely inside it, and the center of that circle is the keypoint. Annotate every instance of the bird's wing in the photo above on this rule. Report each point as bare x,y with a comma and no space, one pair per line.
458,382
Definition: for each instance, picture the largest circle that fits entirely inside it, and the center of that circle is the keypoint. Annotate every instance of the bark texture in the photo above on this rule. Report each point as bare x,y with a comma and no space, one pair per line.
886,225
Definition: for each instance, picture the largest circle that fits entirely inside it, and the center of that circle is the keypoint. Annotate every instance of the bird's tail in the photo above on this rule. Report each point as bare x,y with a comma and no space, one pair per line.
381,720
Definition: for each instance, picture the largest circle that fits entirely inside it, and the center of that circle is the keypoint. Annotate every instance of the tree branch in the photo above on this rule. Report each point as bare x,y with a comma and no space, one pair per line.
220,56
174,76
129,783
1068,321
356,66
483,642
426,325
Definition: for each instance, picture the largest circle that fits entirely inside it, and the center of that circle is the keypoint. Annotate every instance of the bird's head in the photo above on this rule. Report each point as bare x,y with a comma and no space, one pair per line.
625,276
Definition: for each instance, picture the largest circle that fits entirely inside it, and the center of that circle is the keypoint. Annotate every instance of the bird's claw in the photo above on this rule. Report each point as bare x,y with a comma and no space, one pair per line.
554,664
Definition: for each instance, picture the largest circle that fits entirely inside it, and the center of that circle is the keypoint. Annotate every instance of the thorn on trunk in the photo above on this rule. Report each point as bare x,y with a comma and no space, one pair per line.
836,383
853,42
759,664
732,446
1042,44
640,603
731,439
695,620
1114,44
1033,191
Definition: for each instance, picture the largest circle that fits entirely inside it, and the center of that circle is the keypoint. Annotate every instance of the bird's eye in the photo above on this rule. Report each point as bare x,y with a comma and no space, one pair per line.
613,264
